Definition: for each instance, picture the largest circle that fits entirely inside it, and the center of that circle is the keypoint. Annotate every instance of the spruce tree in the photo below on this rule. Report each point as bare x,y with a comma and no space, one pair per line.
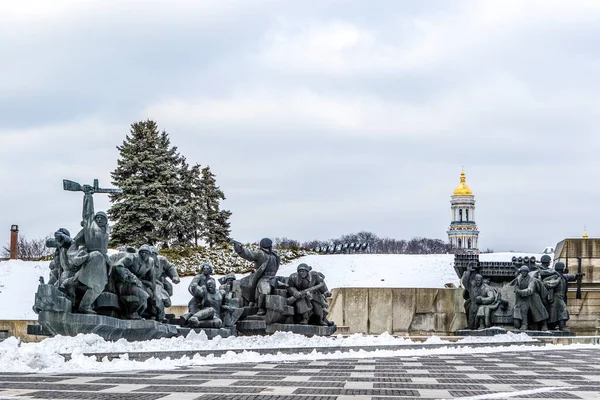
214,227
188,204
147,172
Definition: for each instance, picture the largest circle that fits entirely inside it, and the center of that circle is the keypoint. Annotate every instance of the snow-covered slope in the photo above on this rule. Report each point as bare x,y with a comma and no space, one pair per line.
19,279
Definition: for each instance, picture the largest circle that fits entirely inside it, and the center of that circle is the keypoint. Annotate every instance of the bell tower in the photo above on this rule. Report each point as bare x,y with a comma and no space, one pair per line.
463,234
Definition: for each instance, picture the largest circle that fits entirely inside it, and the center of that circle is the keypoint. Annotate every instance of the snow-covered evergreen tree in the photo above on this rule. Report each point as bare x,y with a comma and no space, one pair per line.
147,171
189,204
214,227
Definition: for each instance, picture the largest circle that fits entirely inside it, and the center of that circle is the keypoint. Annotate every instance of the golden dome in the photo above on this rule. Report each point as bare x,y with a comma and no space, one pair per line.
463,189
585,235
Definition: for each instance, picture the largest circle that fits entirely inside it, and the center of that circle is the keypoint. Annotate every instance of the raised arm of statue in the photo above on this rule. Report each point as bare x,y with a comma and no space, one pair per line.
88,209
245,253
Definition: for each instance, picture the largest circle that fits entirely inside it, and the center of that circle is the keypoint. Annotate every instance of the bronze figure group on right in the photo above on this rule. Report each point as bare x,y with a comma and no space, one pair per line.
536,298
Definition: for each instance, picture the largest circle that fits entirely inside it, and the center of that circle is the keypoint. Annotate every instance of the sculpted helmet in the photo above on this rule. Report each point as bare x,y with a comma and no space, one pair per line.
153,250
64,231
144,247
524,268
545,259
101,213
304,267
559,266
266,243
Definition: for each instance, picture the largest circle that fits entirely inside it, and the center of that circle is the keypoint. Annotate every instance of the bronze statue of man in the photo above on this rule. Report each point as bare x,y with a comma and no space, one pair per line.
263,280
529,293
195,286
136,284
309,294
88,252
484,300
557,305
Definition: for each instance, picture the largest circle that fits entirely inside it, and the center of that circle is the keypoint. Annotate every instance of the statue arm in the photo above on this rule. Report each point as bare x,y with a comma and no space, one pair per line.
171,272
246,254
570,277
489,297
193,287
88,209
551,282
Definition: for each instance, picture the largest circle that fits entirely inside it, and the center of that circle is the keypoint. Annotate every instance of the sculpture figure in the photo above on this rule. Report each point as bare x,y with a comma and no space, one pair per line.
136,283
194,288
484,300
557,303
529,293
468,280
164,270
263,280
60,267
88,252
208,300
308,295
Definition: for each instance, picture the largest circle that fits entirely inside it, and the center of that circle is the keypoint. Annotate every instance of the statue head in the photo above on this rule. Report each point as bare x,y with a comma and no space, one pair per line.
524,270
61,235
211,285
303,270
229,278
153,250
478,280
559,266
266,243
144,252
101,219
545,260
206,268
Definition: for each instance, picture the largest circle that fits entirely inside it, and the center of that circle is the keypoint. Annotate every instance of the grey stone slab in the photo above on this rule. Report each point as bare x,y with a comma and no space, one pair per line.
109,328
307,330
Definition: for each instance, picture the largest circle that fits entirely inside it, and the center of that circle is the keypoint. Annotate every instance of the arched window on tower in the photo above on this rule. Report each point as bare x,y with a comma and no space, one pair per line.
469,243
460,215
460,243
467,215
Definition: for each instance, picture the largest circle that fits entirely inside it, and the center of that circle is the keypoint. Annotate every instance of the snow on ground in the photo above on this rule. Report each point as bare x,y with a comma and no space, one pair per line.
19,279
45,355
18,284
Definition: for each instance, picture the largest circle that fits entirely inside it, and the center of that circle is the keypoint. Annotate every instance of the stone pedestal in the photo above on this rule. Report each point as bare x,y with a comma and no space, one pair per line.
252,325
499,331
69,324
306,330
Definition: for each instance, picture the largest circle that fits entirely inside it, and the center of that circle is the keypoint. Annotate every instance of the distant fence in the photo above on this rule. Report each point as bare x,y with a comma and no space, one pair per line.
343,248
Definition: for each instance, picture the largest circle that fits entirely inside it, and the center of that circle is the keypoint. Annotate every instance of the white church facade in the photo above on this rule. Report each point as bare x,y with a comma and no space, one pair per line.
463,233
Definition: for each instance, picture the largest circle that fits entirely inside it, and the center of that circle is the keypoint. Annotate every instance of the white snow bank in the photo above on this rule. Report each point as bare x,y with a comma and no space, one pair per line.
44,356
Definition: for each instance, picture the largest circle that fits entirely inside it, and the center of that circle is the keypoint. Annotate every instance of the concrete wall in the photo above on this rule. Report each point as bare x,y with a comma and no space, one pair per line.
432,311
18,328
398,310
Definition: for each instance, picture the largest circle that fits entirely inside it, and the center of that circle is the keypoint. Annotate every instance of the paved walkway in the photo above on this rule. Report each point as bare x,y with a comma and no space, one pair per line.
556,374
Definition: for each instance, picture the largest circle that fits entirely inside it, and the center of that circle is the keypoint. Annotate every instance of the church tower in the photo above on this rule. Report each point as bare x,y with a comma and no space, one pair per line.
463,233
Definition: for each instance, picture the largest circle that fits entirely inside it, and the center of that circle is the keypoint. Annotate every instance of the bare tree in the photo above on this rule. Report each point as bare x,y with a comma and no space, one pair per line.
29,249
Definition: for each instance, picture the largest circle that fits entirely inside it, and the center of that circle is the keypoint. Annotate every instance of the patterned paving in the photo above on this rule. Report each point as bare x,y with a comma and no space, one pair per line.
553,374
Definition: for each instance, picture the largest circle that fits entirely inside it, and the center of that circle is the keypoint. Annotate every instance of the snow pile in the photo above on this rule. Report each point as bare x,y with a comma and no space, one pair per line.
45,355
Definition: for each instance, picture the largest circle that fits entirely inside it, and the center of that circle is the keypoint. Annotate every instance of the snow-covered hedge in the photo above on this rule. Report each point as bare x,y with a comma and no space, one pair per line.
224,260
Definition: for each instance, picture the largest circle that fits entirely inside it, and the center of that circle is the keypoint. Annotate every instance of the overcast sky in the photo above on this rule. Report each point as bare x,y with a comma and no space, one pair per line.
319,118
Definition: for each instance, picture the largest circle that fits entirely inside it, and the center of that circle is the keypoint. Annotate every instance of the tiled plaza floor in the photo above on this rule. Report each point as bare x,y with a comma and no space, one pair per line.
555,374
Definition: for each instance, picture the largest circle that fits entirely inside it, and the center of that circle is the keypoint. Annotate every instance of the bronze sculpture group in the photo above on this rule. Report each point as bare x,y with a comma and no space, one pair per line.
137,285
533,298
